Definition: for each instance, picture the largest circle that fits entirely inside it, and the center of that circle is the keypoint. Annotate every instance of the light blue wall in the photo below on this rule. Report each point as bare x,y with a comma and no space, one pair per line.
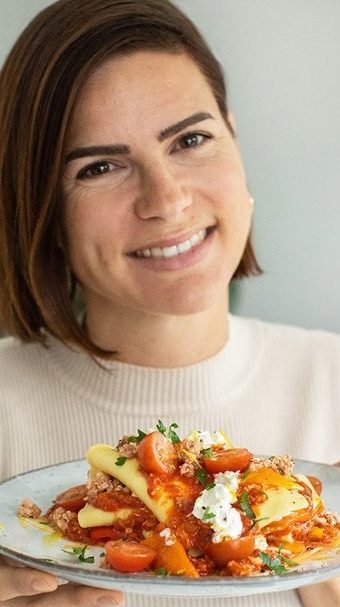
282,59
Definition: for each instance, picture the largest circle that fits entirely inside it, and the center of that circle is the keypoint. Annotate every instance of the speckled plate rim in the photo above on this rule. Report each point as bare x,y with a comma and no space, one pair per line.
31,547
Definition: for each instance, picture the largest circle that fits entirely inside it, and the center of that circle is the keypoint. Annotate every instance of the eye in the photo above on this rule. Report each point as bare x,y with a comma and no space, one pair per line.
191,140
96,169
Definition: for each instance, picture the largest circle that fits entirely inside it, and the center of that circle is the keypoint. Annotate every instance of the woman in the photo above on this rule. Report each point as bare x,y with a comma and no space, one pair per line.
122,181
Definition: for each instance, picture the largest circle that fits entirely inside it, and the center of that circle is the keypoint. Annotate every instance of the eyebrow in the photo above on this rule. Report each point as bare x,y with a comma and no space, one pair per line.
176,128
112,150
98,150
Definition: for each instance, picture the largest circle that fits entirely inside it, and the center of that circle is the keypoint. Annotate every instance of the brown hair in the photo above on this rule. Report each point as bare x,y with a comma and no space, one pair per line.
38,86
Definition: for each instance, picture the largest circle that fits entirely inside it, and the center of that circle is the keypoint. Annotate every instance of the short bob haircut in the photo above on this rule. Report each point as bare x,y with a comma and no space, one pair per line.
39,84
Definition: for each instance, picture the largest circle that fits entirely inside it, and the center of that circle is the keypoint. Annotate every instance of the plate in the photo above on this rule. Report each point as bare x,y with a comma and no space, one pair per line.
32,547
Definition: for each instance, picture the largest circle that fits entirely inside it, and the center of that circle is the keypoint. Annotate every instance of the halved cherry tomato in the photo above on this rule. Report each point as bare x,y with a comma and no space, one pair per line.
227,460
231,550
157,454
127,556
317,484
104,533
72,499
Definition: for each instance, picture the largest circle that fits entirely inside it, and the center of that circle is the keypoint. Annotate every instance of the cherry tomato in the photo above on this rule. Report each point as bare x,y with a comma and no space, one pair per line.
127,556
157,454
231,550
317,484
104,533
227,460
72,499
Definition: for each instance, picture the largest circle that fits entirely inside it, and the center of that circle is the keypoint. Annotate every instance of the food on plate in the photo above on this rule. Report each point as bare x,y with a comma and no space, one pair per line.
195,507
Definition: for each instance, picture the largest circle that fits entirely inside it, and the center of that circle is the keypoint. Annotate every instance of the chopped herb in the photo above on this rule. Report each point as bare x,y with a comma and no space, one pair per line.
274,564
257,520
169,432
162,571
208,514
245,473
207,452
209,486
286,560
160,427
201,475
121,461
80,554
138,438
244,503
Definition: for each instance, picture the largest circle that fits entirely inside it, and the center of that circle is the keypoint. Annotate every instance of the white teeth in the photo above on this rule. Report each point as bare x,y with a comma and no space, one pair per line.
174,250
183,247
170,251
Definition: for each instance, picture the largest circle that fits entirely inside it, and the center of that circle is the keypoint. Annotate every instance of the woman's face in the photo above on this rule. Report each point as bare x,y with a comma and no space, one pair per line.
156,208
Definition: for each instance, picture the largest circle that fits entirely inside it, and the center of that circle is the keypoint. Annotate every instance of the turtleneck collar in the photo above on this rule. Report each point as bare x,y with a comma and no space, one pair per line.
126,387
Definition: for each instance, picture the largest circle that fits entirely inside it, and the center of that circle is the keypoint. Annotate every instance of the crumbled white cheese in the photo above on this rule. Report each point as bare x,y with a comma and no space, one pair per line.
261,542
206,440
168,537
214,506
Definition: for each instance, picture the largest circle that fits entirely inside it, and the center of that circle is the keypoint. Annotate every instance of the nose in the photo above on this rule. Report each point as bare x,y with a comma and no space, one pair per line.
163,194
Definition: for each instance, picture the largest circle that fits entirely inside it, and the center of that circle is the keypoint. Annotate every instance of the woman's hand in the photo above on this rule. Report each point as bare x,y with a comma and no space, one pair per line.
19,584
326,593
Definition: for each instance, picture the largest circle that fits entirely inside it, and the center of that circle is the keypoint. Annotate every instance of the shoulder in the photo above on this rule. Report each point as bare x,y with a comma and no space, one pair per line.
283,341
17,358
285,332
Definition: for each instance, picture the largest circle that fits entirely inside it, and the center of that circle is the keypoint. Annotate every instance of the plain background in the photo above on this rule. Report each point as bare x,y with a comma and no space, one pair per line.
282,62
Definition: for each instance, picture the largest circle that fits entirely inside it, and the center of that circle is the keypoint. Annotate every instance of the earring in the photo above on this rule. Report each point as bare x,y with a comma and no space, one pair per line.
251,204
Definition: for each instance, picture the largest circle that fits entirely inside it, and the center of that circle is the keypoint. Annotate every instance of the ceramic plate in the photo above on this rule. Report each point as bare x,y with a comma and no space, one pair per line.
31,546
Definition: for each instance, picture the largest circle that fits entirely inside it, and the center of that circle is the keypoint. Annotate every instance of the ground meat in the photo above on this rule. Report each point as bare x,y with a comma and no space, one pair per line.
28,509
128,450
191,446
59,518
330,518
189,453
188,468
101,483
280,463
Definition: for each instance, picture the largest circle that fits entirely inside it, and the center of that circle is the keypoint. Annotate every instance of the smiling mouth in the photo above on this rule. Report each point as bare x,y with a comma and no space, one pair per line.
174,250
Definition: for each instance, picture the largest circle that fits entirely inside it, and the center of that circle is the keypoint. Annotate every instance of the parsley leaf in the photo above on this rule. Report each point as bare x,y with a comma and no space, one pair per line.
274,564
208,514
121,461
169,432
80,554
138,438
201,475
284,558
162,571
244,503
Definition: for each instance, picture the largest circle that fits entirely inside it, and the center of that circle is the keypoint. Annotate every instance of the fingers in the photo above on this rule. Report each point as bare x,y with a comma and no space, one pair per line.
70,595
83,596
325,593
22,581
25,587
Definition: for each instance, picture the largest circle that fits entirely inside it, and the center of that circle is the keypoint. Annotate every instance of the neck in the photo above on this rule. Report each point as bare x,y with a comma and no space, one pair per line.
161,340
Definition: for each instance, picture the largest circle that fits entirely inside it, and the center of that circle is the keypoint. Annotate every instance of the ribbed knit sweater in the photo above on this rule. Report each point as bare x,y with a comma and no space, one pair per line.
274,389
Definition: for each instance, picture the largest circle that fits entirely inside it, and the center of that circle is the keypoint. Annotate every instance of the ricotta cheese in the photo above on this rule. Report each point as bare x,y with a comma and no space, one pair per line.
214,506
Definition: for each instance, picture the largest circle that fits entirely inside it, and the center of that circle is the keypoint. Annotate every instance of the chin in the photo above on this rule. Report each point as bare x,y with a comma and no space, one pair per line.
194,301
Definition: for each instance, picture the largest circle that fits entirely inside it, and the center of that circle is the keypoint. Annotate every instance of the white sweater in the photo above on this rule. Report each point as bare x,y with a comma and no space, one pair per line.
273,389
